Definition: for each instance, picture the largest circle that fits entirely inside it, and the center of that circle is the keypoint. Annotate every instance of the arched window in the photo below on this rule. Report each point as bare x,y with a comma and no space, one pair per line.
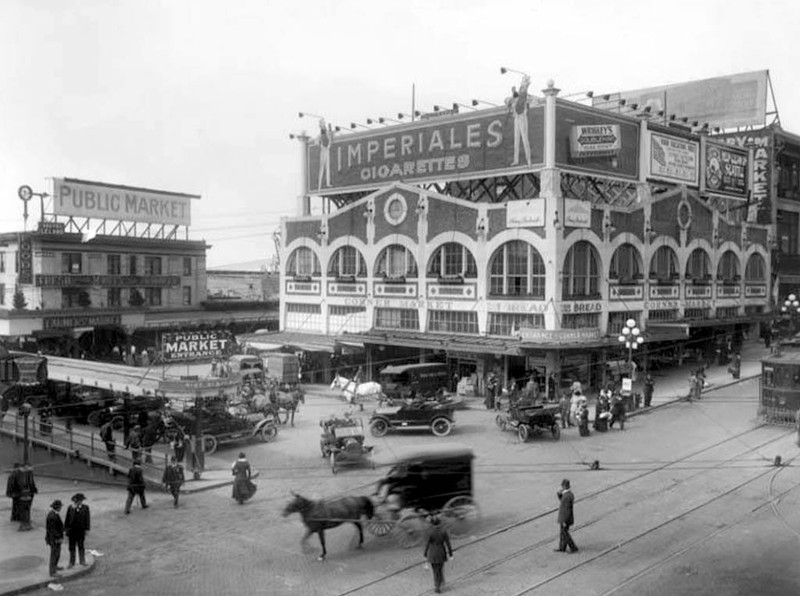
728,268
581,271
664,264
396,261
756,269
626,264
347,262
303,262
452,260
699,265
516,269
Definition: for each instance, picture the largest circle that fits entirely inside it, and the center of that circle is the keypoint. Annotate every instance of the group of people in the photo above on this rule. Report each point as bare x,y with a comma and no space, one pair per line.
75,526
21,488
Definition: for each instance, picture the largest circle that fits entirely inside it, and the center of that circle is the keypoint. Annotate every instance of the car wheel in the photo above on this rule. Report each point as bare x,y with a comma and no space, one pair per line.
209,444
460,514
95,418
379,427
523,432
441,426
268,432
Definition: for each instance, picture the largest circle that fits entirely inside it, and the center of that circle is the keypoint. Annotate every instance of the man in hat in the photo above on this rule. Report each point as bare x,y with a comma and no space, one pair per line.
135,443
173,479
437,551
12,490
26,490
76,524
565,518
135,486
54,536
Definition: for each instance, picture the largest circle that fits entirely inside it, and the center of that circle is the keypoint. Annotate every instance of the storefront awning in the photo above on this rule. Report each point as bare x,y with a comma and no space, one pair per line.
307,342
687,325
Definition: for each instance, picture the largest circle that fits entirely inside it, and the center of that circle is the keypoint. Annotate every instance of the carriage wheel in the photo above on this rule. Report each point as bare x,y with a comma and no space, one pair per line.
323,447
460,514
209,444
378,526
523,432
333,461
441,426
268,432
95,418
409,530
379,427
500,421
556,430
118,423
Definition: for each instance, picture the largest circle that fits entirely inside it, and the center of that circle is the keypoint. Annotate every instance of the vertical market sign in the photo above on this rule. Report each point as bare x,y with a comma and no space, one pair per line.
673,159
194,345
760,209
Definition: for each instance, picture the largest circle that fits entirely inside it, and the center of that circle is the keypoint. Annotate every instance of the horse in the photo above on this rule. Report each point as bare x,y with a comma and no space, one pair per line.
322,515
289,405
354,392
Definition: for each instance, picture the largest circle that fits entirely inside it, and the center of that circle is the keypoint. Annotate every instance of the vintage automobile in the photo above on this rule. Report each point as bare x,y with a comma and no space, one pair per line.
417,414
424,379
342,442
529,419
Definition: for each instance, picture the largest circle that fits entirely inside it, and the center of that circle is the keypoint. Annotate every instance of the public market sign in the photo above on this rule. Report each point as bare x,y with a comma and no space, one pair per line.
194,345
98,200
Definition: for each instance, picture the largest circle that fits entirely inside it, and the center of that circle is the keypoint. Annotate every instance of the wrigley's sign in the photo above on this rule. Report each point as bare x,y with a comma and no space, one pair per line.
193,345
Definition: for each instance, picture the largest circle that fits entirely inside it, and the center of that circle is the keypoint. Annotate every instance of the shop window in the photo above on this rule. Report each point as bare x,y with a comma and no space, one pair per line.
697,313
452,260
581,277
662,315
581,321
2,262
303,263
347,261
187,296
756,269
754,309
617,320
132,269
396,261
114,264
2,293
517,269
626,264
728,268
152,265
453,321
114,297
187,265
71,262
396,318
70,297
727,312
664,264
152,296
304,317
509,324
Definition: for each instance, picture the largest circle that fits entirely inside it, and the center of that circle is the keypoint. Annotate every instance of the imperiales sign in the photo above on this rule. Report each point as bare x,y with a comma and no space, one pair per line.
195,344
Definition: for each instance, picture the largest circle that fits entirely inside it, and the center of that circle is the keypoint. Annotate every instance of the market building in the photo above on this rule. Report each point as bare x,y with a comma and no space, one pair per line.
520,239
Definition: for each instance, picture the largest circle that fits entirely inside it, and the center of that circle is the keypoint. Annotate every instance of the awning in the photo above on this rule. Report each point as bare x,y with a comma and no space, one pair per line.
686,324
307,342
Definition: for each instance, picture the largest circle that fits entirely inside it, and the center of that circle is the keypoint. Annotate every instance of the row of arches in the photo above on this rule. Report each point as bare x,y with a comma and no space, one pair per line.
516,268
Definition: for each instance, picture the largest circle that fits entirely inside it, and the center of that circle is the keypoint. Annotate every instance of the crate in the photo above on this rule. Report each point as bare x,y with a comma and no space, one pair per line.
284,367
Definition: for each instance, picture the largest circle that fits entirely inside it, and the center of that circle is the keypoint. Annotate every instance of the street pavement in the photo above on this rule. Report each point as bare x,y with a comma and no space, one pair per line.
179,551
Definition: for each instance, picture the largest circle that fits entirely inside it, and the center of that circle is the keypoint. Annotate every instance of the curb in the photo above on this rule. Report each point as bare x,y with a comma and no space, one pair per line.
43,584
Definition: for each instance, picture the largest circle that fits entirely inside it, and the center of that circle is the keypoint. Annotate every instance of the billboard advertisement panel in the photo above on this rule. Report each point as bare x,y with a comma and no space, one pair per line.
728,101
674,159
98,200
193,345
725,169
470,145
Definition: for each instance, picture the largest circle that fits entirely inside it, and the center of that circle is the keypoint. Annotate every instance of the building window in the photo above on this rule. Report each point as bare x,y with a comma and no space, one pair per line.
617,320
453,321
662,315
187,265
626,264
306,309
132,270
2,262
396,261
509,324
187,295
152,265
664,264
152,296
114,297
727,312
581,321
697,313
452,260
788,228
71,262
2,293
70,297
347,261
114,264
396,318
303,263
728,268
699,265
581,272
516,269
756,269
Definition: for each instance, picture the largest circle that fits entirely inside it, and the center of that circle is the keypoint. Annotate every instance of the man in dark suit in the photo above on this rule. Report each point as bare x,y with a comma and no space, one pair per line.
437,551
54,536
77,523
565,518
136,486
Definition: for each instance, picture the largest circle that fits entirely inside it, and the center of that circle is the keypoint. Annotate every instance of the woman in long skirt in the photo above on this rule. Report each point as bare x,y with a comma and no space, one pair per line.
243,488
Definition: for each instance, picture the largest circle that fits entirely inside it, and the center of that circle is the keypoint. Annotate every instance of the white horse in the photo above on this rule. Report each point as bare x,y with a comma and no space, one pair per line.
354,392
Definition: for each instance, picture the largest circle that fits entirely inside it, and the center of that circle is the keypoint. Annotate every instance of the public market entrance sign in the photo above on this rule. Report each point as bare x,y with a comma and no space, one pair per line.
194,345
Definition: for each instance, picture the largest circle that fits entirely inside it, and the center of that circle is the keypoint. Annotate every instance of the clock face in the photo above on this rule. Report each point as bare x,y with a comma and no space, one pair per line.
25,193
395,209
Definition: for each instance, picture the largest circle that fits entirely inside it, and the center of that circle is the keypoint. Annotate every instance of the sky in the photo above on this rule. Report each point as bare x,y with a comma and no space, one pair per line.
201,96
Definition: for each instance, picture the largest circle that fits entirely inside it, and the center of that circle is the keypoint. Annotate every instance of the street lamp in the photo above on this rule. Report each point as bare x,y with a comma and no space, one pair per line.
25,410
791,305
631,336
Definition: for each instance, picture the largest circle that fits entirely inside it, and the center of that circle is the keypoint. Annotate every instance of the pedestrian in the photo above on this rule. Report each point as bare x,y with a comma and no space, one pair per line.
135,443
649,386
243,488
54,536
574,405
617,412
12,490
107,436
438,550
583,420
179,444
565,518
26,491
563,407
77,524
173,479
136,486
736,366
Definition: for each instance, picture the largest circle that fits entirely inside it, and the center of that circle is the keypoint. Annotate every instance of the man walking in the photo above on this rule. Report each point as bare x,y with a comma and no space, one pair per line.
565,518
135,486
649,386
12,491
173,479
26,485
77,523
54,536
438,550
107,436
563,406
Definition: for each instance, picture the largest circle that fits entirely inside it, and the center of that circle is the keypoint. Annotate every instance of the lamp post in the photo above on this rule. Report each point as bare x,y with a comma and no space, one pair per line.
631,336
25,410
791,310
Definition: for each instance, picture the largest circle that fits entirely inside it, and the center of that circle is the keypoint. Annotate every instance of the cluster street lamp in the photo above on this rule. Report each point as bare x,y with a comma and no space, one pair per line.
25,410
790,313
791,305
631,336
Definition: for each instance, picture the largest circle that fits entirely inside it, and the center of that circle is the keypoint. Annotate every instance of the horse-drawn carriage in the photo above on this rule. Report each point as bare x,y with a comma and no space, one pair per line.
417,414
529,420
342,442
